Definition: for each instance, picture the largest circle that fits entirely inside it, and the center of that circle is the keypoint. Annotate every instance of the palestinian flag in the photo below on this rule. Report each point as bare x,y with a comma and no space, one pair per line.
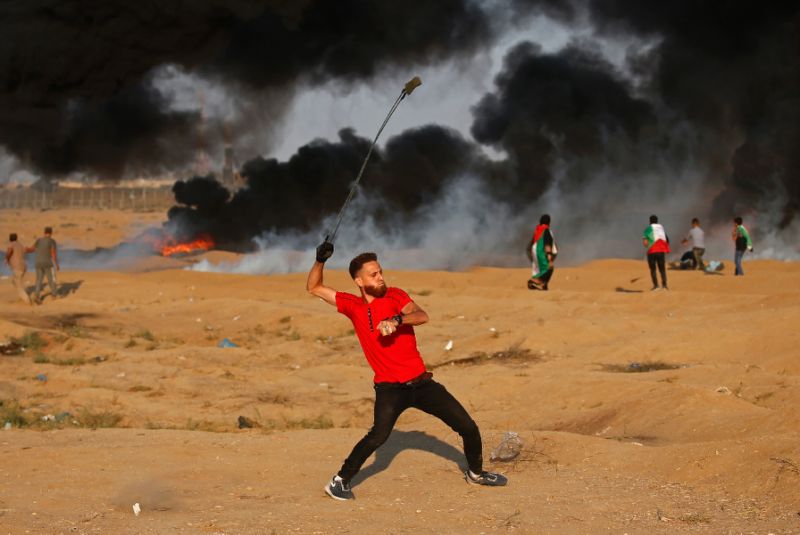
541,237
657,241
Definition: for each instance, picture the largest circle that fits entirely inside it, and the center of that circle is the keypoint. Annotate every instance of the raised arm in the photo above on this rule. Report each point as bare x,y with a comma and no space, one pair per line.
314,284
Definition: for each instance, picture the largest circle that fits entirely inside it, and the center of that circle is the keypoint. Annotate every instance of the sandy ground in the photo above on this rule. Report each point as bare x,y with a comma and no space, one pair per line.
145,404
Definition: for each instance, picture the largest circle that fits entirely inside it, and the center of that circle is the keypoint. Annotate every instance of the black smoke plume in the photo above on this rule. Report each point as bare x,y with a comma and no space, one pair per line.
714,97
730,66
298,194
75,92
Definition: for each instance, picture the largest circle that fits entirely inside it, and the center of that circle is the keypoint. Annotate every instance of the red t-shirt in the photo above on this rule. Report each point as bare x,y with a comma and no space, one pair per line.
394,358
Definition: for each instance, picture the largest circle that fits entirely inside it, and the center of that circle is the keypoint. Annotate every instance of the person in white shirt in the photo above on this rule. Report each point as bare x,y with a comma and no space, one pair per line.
698,239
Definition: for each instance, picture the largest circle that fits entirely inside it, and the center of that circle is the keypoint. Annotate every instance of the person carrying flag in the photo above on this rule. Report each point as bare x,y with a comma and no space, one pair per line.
657,243
542,251
743,243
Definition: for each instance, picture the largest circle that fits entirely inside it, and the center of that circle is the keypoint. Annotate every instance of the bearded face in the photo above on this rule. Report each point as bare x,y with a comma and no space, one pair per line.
370,279
377,290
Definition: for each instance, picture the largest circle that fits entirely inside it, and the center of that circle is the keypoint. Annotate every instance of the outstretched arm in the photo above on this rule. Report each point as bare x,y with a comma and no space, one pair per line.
314,284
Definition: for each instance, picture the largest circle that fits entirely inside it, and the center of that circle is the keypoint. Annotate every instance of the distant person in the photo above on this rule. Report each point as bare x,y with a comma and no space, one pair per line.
742,242
698,239
384,319
45,258
542,253
15,258
657,243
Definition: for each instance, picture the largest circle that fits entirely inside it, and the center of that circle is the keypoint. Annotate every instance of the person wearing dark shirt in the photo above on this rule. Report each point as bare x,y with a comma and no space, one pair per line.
742,243
45,260
384,318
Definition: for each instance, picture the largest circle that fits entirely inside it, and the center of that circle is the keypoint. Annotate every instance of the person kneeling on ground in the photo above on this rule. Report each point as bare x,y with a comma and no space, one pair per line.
384,318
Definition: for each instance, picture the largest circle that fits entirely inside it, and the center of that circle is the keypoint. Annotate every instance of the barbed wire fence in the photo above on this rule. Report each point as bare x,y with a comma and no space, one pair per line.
134,199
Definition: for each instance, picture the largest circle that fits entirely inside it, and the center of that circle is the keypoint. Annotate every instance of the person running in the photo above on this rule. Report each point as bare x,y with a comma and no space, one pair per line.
698,239
742,243
657,243
15,258
542,253
45,254
384,319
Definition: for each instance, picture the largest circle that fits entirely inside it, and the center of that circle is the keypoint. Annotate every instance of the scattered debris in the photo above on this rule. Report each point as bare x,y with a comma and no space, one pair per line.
246,423
640,367
12,348
61,416
137,509
449,345
225,342
513,353
508,449
41,377
723,390
100,358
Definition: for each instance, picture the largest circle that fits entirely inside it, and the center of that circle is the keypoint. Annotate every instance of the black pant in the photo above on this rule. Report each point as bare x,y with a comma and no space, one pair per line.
652,260
545,277
428,396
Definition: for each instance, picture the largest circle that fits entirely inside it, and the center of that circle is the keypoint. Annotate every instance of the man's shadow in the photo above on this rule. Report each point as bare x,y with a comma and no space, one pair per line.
66,288
409,440
63,289
620,289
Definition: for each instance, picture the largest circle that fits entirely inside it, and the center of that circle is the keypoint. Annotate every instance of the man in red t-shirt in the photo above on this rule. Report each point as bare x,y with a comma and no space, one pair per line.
384,320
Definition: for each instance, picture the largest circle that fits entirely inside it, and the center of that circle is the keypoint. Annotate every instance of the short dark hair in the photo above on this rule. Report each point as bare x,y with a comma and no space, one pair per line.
12,236
358,262
737,220
48,230
654,219
695,221
545,219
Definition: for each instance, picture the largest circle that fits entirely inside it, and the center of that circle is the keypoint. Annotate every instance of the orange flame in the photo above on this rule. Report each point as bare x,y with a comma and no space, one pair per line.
202,243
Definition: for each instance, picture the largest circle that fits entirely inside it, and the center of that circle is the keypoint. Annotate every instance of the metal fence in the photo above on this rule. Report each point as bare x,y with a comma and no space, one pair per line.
137,199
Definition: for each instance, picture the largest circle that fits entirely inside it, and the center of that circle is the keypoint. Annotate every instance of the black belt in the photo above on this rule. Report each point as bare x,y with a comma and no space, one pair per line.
416,381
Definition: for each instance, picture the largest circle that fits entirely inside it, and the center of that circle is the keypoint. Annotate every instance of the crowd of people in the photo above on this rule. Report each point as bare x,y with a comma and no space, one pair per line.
542,251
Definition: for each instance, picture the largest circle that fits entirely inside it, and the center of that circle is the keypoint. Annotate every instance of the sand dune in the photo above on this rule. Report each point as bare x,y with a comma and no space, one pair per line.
708,442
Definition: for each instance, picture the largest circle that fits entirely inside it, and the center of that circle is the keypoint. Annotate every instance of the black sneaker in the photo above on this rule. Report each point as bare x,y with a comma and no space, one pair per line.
533,285
339,490
490,479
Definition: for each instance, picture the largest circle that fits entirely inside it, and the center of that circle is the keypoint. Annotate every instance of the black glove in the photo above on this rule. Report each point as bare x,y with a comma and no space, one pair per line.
324,251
